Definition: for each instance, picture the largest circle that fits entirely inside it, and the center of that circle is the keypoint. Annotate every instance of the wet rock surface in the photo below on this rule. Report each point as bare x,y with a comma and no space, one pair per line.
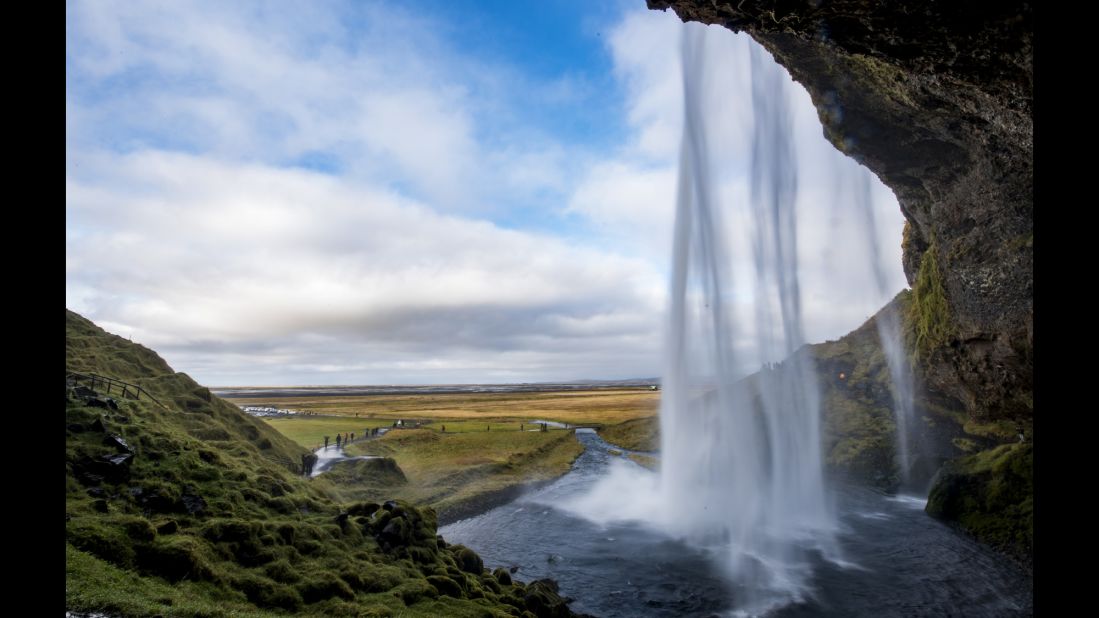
936,99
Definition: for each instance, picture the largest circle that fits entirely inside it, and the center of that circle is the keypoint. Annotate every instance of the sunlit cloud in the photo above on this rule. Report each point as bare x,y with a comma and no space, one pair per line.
339,193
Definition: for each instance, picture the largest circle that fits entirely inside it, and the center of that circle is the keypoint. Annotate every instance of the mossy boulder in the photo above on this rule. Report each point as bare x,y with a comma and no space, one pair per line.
445,585
178,557
991,496
467,559
322,586
542,600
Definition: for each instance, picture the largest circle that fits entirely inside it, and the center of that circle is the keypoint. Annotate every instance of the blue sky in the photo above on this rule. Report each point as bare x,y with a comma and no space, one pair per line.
404,192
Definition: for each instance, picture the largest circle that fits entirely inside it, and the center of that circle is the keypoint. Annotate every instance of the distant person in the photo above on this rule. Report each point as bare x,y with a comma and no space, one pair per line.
337,440
444,428
352,436
520,427
487,428
326,443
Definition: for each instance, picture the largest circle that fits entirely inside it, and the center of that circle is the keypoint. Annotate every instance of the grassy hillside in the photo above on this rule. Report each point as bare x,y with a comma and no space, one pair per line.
639,434
192,508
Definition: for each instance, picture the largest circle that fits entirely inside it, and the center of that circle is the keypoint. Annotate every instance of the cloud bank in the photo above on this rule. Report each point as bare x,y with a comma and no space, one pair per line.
337,193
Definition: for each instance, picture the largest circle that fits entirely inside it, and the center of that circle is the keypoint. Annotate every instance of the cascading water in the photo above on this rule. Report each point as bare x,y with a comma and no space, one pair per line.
744,453
738,520
888,323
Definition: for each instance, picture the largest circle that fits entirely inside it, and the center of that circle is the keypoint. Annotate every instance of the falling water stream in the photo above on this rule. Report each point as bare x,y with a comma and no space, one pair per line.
857,189
740,519
747,450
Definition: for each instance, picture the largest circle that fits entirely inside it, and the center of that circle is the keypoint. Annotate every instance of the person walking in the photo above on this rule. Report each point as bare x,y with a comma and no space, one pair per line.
326,443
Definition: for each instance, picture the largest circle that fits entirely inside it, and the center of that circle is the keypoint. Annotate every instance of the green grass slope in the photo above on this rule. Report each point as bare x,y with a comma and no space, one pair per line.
639,434
196,509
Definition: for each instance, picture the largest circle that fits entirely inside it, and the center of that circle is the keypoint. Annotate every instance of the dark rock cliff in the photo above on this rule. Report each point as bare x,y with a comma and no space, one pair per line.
936,99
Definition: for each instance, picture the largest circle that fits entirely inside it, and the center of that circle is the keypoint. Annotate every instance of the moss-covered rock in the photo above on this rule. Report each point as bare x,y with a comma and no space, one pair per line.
467,559
936,99
503,576
991,496
445,585
542,600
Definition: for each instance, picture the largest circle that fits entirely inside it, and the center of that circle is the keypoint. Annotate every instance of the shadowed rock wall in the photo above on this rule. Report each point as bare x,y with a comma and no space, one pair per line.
935,98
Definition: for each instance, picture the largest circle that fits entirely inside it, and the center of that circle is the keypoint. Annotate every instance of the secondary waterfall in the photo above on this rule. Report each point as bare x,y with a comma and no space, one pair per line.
741,458
888,322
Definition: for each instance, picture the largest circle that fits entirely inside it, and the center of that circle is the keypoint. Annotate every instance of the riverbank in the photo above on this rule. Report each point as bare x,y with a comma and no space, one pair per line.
893,559
457,473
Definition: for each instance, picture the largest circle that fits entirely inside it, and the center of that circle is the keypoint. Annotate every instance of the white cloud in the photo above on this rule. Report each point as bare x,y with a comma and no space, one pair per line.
192,225
849,263
209,251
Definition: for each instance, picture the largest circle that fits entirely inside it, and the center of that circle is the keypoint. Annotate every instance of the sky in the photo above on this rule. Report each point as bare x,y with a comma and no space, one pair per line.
420,192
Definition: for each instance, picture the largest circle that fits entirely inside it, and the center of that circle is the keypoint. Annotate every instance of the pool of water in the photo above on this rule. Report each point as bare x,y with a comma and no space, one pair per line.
892,559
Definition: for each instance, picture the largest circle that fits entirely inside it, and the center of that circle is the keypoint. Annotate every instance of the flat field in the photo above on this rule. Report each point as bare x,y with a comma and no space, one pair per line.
595,407
490,446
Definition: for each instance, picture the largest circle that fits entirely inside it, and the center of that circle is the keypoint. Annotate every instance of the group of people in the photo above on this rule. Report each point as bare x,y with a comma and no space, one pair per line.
343,439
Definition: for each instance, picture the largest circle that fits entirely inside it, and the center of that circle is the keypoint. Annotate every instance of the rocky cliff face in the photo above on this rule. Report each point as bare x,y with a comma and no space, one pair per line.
935,98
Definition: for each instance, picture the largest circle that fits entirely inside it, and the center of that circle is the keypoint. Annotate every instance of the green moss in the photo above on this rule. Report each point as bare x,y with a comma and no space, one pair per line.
928,316
102,540
92,585
990,494
880,76
212,519
178,557
321,586
264,592
445,585
964,444
1001,429
413,590
467,559
640,434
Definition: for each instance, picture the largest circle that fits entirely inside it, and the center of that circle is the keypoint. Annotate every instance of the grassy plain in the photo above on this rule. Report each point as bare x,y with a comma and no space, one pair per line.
490,444
594,407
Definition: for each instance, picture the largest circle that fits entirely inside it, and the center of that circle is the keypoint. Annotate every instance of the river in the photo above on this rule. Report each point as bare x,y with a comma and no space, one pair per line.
896,560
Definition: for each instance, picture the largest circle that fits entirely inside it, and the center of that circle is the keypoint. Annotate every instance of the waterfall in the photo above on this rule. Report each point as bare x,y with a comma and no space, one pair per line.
888,325
741,457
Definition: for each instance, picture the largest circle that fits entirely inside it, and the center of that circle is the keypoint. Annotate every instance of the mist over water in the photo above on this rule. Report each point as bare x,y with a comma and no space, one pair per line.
746,451
741,468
